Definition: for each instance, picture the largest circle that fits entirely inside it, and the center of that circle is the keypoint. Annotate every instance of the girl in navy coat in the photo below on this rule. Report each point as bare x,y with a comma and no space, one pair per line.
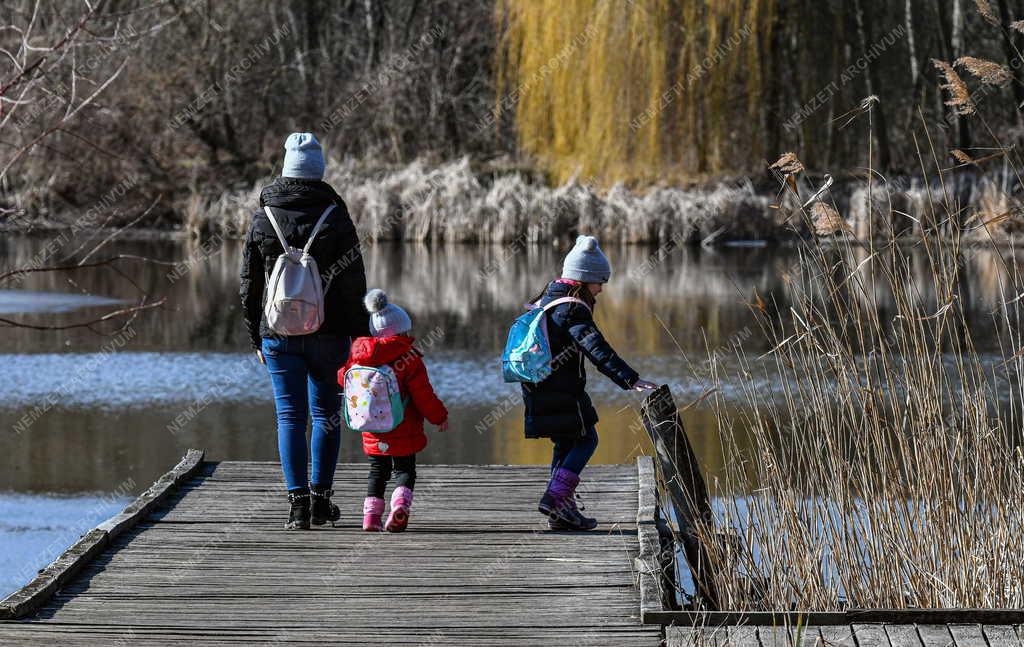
559,407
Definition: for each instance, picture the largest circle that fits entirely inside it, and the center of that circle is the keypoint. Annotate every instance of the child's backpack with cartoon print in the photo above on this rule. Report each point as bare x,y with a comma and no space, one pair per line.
372,400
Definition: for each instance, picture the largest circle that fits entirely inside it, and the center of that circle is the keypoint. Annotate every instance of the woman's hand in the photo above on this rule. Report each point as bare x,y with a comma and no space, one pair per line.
443,426
259,356
644,385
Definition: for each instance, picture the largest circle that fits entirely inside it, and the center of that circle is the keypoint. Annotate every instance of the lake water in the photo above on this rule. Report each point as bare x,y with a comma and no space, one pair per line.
89,420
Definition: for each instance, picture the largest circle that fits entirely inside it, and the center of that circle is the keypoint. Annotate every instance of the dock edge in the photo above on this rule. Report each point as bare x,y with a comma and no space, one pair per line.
50,579
647,563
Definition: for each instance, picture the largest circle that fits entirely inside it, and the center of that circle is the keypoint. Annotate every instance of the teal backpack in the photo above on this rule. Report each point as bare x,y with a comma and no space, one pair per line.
527,357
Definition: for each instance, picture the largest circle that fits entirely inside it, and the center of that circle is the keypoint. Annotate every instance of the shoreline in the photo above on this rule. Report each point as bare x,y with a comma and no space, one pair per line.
461,202
182,236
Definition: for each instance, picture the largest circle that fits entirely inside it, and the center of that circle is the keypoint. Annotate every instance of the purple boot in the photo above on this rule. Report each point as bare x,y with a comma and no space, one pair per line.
559,503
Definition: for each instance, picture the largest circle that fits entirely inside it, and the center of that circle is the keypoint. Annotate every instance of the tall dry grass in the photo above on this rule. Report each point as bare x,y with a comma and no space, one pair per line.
454,202
890,474
457,202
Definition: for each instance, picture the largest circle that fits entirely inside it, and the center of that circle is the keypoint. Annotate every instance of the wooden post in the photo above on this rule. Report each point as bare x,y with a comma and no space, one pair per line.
687,491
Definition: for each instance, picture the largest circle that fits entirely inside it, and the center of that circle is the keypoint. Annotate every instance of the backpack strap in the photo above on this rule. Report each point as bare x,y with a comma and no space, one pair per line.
277,229
316,228
561,300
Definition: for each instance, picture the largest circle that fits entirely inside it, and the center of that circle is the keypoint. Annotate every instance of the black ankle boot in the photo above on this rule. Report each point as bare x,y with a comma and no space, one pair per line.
298,518
323,509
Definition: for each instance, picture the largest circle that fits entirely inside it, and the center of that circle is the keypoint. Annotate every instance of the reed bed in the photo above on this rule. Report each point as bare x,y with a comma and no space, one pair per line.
460,202
890,473
453,202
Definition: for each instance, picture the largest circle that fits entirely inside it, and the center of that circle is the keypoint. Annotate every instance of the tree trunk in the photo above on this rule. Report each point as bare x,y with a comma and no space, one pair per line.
773,109
373,30
909,21
1012,52
951,41
314,17
915,67
881,133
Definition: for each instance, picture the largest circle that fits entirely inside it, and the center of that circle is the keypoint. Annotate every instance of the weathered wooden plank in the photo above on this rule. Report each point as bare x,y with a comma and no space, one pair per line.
769,618
647,490
935,635
649,571
130,635
807,636
774,636
837,636
870,635
743,636
1001,636
903,636
683,637
936,616
967,635
716,637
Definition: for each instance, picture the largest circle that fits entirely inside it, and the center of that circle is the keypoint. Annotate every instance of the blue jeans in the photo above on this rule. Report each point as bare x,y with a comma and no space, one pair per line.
573,454
304,374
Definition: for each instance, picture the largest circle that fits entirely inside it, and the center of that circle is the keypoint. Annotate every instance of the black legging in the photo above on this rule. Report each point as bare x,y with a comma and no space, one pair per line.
380,473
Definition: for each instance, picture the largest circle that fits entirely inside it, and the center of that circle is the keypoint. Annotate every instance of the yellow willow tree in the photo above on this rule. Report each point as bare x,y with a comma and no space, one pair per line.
640,91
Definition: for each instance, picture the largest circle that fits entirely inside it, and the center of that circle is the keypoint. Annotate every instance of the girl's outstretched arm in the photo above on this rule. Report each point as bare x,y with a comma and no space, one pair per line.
584,332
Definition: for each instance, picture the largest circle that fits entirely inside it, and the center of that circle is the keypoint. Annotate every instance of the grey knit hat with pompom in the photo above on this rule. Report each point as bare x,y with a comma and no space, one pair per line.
386,319
586,262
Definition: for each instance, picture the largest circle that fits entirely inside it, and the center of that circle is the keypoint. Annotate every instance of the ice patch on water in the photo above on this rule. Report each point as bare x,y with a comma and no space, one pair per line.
28,302
36,529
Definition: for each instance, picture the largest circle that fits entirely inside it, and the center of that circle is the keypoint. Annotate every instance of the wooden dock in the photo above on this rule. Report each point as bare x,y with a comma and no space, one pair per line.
202,558
855,635
212,564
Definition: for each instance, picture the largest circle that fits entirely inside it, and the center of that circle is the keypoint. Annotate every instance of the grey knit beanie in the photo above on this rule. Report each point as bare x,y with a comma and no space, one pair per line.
303,157
586,262
386,319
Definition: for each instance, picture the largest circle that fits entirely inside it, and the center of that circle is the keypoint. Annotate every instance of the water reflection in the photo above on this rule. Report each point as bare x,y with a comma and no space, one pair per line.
76,417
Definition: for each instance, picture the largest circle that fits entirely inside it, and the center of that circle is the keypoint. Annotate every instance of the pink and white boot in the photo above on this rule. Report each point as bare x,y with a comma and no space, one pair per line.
401,502
373,510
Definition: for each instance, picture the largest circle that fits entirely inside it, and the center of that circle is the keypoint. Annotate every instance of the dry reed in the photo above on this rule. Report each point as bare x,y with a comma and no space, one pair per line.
959,96
987,72
826,219
454,202
889,474
985,11
961,156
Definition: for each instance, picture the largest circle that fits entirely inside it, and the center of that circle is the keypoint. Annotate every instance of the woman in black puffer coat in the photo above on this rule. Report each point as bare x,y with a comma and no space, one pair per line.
304,368
559,407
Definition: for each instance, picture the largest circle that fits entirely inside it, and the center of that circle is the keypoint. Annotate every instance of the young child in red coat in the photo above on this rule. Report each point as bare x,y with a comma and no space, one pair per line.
394,452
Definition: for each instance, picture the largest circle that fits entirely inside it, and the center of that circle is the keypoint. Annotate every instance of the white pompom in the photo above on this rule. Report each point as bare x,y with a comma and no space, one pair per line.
375,300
